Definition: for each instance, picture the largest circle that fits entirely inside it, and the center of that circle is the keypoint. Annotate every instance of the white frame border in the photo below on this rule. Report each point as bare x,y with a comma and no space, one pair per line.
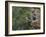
23,5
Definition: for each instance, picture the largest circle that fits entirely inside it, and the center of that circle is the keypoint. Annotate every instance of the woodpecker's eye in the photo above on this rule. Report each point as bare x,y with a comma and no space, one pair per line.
34,18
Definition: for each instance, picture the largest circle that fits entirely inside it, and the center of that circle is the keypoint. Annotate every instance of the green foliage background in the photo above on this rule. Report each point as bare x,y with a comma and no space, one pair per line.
19,21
